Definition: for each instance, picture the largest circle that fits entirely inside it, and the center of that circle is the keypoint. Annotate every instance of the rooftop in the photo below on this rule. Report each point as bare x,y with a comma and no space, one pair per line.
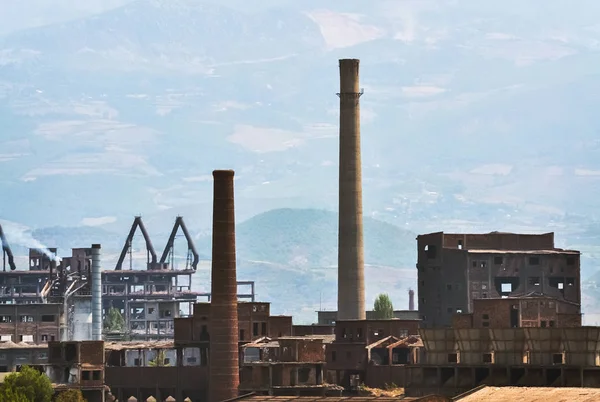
535,252
133,345
259,398
531,394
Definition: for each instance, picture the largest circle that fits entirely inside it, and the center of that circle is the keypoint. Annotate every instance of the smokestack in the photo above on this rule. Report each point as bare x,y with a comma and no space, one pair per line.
411,300
224,366
351,275
96,294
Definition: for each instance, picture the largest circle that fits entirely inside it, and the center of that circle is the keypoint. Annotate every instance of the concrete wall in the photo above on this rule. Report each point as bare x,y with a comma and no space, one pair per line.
81,323
37,323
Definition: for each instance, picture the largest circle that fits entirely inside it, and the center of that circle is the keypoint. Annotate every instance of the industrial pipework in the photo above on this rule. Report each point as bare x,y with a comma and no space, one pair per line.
351,269
96,294
224,377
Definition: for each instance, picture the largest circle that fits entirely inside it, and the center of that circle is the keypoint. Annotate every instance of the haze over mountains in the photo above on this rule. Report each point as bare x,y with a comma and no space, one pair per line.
476,115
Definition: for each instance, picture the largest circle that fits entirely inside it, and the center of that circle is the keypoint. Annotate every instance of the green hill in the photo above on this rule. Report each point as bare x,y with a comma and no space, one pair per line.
308,238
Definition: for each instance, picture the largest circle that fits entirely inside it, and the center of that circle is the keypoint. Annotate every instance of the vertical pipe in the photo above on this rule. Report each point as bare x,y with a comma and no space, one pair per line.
224,359
411,300
96,294
351,281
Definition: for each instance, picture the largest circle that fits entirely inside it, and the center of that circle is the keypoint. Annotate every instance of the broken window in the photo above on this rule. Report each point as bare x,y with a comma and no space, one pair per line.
460,244
498,260
452,357
303,374
137,361
263,328
506,287
26,318
86,375
557,358
5,318
484,295
459,311
344,333
483,286
551,304
474,264
570,260
570,281
534,280
482,264
358,333
534,260
241,334
551,323
488,358
543,324
97,374
44,338
431,251
255,329
150,310
486,316
48,318
333,356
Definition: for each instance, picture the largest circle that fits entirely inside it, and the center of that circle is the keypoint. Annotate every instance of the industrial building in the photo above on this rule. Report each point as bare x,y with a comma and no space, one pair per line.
456,269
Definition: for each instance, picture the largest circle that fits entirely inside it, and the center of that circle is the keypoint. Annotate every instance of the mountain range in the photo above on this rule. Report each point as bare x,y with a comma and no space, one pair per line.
477,116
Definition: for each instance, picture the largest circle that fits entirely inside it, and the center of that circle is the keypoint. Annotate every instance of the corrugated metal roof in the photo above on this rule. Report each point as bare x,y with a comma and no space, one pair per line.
533,394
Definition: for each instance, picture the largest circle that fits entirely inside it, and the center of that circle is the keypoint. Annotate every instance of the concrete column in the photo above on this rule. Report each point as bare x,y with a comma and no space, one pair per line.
351,287
96,294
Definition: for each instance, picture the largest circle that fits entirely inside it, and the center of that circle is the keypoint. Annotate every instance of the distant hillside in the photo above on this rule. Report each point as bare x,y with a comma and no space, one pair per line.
308,238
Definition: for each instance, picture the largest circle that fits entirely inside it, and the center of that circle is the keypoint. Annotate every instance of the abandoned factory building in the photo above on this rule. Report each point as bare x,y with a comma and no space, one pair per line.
454,270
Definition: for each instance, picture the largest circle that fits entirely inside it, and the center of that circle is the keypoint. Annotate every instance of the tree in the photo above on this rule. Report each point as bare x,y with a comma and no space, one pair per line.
114,321
383,308
159,360
10,395
29,382
71,395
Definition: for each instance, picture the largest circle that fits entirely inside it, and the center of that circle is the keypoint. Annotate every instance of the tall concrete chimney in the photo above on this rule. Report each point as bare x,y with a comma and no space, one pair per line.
96,294
411,300
224,366
351,270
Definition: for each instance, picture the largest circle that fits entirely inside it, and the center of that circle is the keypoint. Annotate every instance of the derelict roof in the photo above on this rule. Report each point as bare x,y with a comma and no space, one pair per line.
532,394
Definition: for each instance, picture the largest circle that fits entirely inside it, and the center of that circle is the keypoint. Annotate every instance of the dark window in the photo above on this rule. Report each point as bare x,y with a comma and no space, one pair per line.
498,260
86,375
487,358
534,280
255,329
534,260
485,324
241,334
484,295
48,318
137,362
486,316
358,333
303,374
551,323
483,264
263,328
431,251
333,356
557,358
452,358
96,374
460,245
474,264
344,334
543,323
570,260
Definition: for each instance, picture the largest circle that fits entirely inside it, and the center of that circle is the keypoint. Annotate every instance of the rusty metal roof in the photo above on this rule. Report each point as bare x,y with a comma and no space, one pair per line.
133,345
532,394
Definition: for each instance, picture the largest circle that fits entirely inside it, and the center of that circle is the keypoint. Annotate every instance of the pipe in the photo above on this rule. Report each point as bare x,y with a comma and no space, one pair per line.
351,266
224,377
411,300
96,294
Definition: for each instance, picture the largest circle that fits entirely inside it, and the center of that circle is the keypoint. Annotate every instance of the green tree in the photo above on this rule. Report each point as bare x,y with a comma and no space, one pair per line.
29,382
71,395
159,360
10,395
383,308
114,321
